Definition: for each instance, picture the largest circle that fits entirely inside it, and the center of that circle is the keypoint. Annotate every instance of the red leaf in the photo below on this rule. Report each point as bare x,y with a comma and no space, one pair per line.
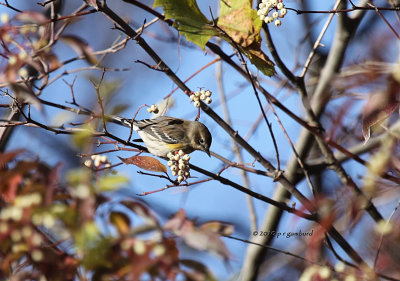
8,157
146,163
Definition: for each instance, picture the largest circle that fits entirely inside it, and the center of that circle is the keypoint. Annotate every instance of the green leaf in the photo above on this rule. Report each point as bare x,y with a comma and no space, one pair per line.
189,20
92,247
119,108
241,23
237,18
78,176
111,182
82,138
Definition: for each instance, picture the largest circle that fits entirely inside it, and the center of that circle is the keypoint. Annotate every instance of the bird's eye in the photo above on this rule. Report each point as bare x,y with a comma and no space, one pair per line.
201,141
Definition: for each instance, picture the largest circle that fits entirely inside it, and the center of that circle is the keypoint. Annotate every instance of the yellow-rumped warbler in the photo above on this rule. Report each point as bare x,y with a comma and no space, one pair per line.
165,134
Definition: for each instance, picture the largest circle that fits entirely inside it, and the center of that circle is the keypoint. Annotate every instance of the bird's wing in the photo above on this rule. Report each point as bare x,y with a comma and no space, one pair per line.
165,128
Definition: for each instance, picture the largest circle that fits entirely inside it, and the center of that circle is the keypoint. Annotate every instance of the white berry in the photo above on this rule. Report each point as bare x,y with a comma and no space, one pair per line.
186,157
275,15
283,11
208,100
278,23
268,19
279,6
197,104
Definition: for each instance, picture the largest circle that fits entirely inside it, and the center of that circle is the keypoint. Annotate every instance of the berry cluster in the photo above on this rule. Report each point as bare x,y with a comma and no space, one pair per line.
179,165
201,95
267,6
97,161
153,108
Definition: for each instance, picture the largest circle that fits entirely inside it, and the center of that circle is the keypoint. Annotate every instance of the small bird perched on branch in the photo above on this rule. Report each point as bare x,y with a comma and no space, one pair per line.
165,134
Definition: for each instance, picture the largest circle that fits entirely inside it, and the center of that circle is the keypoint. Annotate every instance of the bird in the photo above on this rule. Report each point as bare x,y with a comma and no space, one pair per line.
165,134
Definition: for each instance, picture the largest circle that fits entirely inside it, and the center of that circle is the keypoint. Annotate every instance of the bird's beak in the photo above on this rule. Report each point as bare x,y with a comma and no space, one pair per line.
208,152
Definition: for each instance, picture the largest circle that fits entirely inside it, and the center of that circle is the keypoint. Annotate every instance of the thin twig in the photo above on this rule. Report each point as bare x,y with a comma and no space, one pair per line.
318,41
236,149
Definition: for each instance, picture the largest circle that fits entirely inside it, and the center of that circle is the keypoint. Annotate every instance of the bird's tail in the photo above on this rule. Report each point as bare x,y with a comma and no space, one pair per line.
122,121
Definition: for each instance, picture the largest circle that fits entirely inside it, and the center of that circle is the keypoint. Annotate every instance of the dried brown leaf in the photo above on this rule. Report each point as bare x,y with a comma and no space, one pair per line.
81,47
8,157
201,238
146,163
24,93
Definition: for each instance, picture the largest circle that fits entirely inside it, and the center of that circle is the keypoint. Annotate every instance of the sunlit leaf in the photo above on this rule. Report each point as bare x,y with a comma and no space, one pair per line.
240,21
218,227
119,108
77,176
189,20
112,182
93,247
82,138
146,163
121,222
